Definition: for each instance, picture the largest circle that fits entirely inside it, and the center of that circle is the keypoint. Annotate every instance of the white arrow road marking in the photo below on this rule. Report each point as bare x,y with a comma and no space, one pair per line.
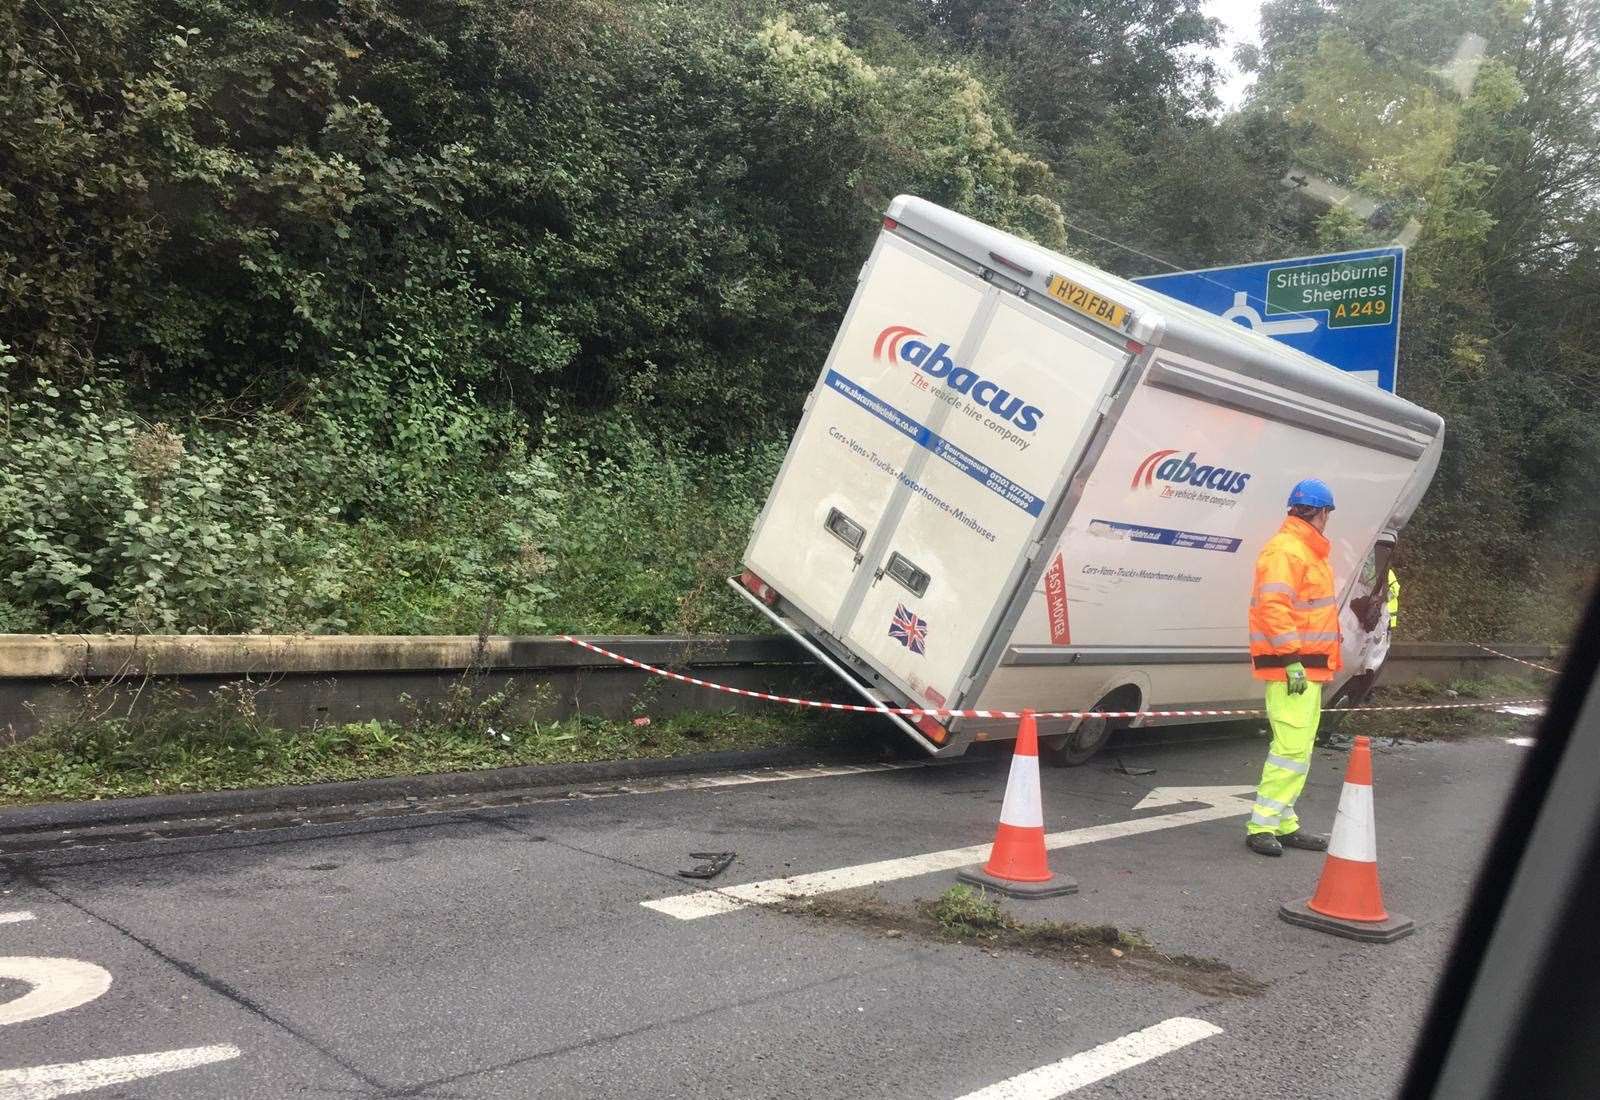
1219,802
1178,796
16,916
1071,1074
43,1082
58,984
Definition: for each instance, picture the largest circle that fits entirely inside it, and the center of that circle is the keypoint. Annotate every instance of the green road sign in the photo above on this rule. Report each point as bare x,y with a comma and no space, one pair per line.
1351,292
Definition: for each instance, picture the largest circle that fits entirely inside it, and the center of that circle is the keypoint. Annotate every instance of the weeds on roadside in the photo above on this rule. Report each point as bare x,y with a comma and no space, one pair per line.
963,913
1444,725
171,742
465,708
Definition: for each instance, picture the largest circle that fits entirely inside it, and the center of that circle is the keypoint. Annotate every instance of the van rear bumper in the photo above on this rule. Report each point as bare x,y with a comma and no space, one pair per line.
879,700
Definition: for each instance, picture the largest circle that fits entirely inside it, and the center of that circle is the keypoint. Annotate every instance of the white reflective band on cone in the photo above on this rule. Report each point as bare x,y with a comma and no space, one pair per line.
1023,806
1353,835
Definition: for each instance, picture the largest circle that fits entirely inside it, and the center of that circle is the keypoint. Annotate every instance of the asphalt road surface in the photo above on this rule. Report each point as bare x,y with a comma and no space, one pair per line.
506,951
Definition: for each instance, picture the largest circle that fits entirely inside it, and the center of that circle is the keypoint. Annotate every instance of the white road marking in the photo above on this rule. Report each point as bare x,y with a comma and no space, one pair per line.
66,1078
58,985
16,916
1071,1074
1220,802
1523,712
1520,742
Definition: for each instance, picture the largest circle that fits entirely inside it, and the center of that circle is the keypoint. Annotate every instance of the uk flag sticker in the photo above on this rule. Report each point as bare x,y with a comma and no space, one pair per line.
909,630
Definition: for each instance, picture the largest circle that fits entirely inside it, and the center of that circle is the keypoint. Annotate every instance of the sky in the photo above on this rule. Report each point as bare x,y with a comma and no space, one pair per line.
1240,20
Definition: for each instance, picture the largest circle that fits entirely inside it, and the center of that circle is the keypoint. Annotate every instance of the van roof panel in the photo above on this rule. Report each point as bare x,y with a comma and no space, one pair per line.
1178,325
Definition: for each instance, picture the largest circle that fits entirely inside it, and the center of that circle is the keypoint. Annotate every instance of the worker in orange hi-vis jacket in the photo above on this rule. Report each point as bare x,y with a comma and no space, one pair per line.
1294,647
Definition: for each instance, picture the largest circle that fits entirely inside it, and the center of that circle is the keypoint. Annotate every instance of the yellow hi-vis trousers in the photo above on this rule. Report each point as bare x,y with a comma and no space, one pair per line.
1294,721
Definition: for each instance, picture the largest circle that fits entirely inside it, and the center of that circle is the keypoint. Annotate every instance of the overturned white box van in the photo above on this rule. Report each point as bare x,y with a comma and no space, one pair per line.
1023,482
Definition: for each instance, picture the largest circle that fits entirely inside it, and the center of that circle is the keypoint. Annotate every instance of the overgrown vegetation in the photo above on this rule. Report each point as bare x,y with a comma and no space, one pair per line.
168,746
354,316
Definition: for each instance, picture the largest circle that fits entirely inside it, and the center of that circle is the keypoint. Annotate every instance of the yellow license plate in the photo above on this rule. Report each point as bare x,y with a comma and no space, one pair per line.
1087,302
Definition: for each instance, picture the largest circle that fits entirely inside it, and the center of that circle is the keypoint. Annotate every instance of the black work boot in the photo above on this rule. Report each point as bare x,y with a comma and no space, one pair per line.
1311,842
1263,844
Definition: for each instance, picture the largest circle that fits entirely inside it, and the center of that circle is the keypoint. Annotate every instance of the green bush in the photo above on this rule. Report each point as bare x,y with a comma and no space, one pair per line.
111,522
649,531
479,562
327,294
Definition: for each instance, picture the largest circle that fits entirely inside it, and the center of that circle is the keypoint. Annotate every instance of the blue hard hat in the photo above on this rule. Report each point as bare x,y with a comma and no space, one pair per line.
1312,494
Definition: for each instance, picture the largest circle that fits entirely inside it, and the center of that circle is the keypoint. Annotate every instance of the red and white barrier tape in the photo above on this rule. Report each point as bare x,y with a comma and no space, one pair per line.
1508,657
946,712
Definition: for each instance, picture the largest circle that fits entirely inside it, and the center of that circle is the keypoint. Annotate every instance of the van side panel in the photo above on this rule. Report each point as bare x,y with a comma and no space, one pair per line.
1150,580
1160,550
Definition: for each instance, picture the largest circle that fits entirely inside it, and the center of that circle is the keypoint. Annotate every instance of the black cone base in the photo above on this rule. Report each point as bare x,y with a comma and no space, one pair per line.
1368,931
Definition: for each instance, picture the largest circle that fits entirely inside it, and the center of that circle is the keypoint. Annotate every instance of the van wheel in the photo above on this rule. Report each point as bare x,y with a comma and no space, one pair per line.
1070,750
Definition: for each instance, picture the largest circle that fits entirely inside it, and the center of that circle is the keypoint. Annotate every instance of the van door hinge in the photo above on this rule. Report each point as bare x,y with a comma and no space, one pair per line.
1033,550
964,687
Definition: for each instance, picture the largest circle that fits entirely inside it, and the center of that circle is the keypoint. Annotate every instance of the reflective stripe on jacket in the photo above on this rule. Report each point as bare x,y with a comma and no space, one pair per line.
1294,615
1394,600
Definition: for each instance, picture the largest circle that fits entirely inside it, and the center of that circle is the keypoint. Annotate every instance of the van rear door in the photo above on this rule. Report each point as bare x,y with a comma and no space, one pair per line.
860,429
943,429
958,534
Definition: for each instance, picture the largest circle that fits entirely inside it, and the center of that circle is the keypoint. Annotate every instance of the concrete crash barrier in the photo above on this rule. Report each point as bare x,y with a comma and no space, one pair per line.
298,681
304,680
1442,662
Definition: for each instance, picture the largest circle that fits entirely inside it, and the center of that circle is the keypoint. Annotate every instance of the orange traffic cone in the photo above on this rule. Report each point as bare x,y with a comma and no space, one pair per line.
1017,863
1349,901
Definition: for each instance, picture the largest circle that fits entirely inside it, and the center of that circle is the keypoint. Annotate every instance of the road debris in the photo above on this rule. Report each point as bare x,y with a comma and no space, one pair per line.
715,863
971,918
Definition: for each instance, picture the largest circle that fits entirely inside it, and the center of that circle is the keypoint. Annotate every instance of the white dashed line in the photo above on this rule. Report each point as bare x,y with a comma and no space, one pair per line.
1222,802
16,916
64,1079
1071,1074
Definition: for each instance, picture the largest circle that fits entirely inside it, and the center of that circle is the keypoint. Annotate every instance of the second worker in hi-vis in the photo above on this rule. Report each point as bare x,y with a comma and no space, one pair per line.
1294,647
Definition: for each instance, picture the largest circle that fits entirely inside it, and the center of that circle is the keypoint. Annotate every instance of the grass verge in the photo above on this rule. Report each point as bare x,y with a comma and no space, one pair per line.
225,745
1445,725
968,916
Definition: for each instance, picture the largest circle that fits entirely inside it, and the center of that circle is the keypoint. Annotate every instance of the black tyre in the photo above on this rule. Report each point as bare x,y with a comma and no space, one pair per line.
1071,750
